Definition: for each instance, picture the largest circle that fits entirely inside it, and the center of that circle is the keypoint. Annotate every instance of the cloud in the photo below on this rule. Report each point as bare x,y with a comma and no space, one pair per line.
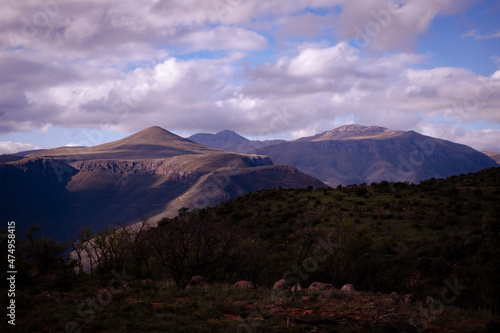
211,65
223,38
9,147
390,24
478,36
482,139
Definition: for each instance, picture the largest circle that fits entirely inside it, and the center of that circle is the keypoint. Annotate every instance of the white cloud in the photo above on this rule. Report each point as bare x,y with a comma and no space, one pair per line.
390,24
223,38
9,147
128,64
478,36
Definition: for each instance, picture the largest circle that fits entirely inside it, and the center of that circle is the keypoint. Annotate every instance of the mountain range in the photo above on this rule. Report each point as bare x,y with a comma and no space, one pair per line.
355,154
151,174
154,173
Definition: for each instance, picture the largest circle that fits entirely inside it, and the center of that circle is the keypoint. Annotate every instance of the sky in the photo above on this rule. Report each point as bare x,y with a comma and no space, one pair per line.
87,72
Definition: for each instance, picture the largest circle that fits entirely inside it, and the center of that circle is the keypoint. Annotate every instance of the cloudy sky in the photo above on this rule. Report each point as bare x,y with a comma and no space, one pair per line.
92,71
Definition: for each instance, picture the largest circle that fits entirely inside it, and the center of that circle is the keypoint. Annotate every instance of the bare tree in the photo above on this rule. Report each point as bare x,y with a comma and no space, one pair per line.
137,245
352,253
187,248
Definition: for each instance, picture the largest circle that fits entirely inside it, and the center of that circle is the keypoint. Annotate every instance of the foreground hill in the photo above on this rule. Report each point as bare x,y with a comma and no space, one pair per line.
356,154
418,258
384,237
150,173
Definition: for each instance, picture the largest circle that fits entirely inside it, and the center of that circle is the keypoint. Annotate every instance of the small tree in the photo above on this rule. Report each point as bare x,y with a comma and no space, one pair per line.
349,261
188,248
45,253
137,246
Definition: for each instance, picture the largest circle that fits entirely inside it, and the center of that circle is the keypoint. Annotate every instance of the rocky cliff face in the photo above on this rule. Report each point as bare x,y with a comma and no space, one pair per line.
150,174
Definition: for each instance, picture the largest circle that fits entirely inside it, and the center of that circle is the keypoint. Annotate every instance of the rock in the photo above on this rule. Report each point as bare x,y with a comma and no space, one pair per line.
280,285
244,285
321,286
348,288
296,287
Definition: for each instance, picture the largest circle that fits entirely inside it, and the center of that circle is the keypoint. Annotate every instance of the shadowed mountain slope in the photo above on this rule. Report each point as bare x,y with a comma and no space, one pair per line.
150,173
355,154
493,156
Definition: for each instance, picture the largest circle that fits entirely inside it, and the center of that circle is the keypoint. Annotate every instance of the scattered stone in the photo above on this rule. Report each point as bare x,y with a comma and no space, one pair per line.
321,286
280,285
348,288
244,285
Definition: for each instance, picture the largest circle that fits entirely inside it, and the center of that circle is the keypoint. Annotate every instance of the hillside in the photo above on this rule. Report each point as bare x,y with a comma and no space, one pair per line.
148,174
421,258
433,230
493,156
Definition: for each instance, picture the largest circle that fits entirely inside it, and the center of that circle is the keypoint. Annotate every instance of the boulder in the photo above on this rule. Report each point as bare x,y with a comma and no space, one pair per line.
244,285
280,285
348,288
321,286
394,295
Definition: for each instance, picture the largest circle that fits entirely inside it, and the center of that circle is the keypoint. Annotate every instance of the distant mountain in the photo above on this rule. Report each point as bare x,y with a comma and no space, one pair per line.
354,154
152,174
16,156
231,141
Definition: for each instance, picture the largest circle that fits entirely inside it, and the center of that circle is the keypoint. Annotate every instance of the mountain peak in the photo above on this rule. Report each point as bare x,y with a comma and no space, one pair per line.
228,135
150,143
356,132
221,138
151,135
